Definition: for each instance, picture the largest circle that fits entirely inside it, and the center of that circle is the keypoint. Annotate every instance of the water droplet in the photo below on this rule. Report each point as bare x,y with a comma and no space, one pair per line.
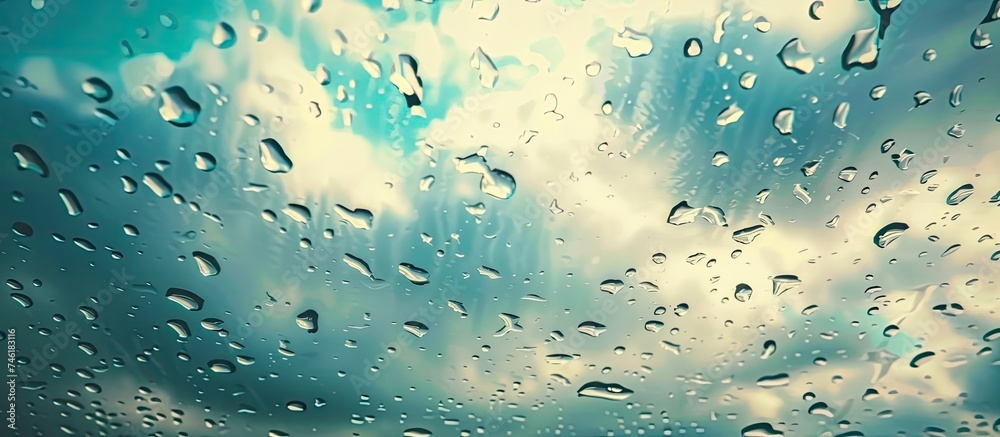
769,348
747,235
980,40
224,35
814,9
762,25
889,233
221,366
414,274
207,264
593,69
23,300
635,44
887,145
488,74
809,168
129,185
960,194
762,429
97,89
600,390
720,159
28,159
180,327
742,292
862,50
157,185
877,92
38,119
71,203
592,329
692,47
801,193
510,324
297,212
416,328
612,286
177,108
795,57
783,120
783,283
22,229
772,381
273,157
729,115
204,161
956,96
840,116
498,183
921,98
308,320
359,218
902,159
921,359
187,299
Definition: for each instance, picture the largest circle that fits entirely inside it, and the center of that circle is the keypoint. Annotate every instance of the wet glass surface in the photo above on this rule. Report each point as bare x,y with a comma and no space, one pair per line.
482,217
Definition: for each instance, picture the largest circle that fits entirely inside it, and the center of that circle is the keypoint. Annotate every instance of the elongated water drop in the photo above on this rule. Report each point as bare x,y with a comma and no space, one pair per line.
273,157
207,264
889,233
71,203
97,89
28,159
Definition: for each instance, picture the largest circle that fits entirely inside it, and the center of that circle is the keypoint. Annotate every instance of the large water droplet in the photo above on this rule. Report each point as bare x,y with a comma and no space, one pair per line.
273,157
862,50
729,115
416,328
772,381
692,47
71,203
204,161
157,185
742,292
28,159
308,320
607,391
221,366
224,35
359,218
416,275
498,183
783,283
207,264
177,108
592,329
97,89
795,57
180,327
889,233
635,44
960,194
297,212
762,429
783,120
187,299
